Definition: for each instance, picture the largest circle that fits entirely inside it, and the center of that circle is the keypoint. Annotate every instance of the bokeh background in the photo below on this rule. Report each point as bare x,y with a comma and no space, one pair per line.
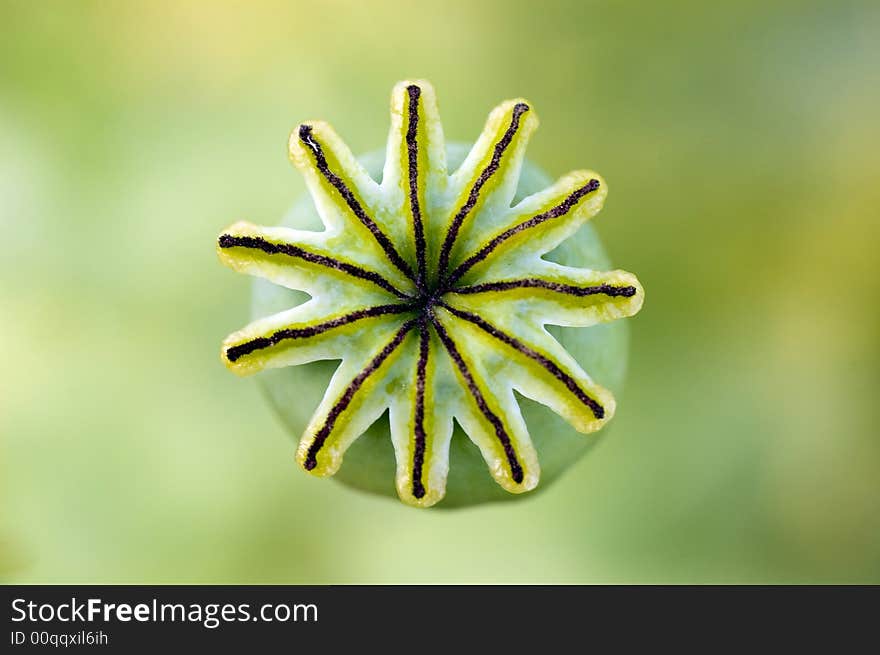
741,143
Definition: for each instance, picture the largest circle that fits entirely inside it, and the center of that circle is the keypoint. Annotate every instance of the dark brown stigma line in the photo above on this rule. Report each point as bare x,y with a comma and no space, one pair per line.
260,343
551,366
418,487
412,146
259,243
500,431
446,250
555,212
536,283
350,391
305,135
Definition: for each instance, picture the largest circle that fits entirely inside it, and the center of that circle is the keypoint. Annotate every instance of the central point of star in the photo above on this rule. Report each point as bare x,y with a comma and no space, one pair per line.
426,300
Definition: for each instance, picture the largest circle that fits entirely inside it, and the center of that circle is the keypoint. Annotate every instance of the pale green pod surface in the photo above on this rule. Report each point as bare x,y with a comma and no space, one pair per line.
436,322
295,391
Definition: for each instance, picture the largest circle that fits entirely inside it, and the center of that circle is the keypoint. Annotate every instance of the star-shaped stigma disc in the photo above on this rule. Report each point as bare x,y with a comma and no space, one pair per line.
432,291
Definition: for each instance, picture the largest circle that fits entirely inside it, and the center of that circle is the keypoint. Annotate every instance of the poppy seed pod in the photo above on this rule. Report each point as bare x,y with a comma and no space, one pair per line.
470,303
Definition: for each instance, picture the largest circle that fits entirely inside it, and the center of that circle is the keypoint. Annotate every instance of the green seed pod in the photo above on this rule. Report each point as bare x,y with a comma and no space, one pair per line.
459,304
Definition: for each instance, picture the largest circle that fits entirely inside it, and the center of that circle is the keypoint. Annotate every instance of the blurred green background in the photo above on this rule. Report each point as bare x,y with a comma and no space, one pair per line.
741,143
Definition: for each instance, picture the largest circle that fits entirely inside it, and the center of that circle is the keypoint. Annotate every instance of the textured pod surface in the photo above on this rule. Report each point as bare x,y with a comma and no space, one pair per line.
433,289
